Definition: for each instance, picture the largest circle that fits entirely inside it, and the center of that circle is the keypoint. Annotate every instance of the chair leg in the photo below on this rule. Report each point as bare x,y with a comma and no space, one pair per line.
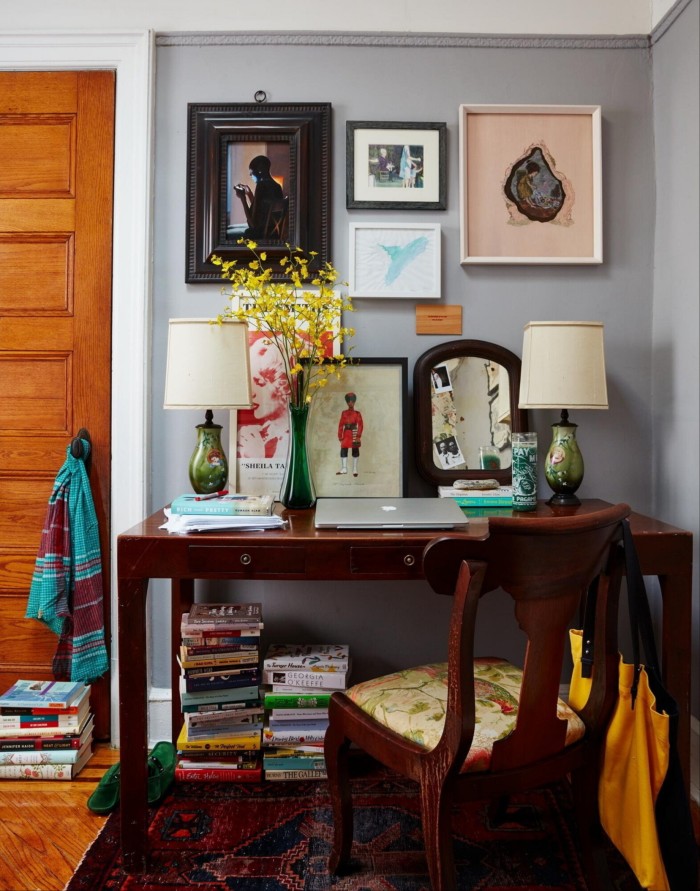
336,752
436,800
584,787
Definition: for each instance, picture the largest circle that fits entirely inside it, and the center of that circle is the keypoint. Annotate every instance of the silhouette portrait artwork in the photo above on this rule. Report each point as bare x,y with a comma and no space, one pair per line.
265,206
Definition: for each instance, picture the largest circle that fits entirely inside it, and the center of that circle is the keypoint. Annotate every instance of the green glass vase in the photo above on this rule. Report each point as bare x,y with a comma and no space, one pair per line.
297,490
208,464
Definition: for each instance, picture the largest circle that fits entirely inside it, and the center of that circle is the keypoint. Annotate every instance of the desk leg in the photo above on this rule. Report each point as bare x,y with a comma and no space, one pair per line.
676,649
133,722
182,591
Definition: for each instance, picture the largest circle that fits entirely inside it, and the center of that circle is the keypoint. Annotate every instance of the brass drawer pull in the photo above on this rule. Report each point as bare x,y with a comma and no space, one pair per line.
409,560
246,559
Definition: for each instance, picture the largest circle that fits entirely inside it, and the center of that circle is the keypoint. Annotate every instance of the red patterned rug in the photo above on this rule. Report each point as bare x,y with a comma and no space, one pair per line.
276,837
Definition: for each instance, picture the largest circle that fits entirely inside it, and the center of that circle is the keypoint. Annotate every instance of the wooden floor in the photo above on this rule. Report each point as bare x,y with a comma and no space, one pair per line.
45,828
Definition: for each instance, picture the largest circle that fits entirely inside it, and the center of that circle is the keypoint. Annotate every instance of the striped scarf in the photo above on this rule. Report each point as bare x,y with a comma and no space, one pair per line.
66,589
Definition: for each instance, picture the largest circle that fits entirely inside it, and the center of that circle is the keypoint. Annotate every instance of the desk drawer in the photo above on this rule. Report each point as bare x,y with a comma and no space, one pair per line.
255,560
401,560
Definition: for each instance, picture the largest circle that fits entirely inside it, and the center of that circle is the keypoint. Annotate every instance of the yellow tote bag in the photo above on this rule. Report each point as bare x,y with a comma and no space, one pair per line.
635,763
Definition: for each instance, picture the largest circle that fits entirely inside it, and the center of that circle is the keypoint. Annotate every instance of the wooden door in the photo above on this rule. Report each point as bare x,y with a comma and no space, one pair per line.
56,183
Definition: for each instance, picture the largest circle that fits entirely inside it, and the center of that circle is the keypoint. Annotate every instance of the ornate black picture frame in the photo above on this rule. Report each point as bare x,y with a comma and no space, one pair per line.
396,165
225,145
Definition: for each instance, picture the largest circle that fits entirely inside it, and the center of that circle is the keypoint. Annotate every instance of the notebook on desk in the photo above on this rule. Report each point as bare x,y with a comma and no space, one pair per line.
388,513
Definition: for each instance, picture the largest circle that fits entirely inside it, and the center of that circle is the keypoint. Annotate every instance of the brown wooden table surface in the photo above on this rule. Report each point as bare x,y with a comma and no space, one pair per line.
302,552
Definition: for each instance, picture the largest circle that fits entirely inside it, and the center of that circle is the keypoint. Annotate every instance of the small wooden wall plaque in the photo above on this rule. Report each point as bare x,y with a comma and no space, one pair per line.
438,319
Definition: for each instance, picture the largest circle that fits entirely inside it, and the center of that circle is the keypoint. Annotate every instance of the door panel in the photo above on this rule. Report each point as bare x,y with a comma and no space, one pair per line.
56,181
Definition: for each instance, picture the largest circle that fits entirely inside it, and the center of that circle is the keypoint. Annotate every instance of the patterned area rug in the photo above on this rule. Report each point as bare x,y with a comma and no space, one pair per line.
276,837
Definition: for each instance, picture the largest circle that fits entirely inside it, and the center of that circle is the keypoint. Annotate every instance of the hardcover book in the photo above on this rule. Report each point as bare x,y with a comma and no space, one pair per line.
217,775
44,694
217,697
228,744
49,771
214,682
46,756
274,775
285,737
44,732
331,680
226,505
305,699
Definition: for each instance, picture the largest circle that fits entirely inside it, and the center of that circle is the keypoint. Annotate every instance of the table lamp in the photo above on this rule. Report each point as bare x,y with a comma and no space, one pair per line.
208,367
563,367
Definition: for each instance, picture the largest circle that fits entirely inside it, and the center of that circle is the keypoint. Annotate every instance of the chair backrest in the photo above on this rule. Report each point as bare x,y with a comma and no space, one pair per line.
547,566
277,218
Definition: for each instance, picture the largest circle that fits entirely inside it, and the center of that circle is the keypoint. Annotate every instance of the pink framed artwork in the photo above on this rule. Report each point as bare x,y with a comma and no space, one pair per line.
530,184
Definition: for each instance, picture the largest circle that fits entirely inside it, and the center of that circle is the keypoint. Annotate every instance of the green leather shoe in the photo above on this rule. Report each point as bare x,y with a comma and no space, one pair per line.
161,770
106,795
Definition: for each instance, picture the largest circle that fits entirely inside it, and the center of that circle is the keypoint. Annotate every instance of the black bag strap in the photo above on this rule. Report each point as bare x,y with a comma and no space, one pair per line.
588,631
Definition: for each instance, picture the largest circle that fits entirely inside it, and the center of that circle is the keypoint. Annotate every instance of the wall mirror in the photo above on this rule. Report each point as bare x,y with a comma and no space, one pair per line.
466,408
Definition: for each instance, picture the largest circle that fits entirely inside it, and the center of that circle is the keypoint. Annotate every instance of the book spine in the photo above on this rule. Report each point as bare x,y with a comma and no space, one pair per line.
36,771
214,682
243,731
217,629
292,763
273,775
230,509
277,737
332,680
25,722
297,700
16,711
27,744
299,714
337,665
230,659
41,756
237,645
484,502
217,775
42,732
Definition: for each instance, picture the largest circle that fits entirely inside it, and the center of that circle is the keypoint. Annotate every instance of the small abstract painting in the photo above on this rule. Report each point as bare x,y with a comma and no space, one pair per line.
398,260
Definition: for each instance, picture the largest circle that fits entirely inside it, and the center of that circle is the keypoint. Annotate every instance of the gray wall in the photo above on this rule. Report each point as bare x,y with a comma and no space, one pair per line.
426,84
676,327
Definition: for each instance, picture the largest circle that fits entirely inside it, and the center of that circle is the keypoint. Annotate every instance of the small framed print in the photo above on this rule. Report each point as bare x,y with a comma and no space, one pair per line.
530,184
395,260
395,166
357,431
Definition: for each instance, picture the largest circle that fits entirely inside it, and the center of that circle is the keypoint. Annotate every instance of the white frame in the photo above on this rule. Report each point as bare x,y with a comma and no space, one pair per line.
594,114
368,261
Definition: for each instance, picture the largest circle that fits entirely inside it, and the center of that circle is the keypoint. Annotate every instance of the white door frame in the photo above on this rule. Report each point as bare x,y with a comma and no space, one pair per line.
131,54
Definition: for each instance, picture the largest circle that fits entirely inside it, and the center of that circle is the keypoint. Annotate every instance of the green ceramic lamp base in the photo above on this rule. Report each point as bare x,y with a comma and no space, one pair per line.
208,464
563,466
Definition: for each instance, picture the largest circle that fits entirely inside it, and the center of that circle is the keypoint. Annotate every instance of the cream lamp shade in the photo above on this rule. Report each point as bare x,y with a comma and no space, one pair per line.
208,365
563,366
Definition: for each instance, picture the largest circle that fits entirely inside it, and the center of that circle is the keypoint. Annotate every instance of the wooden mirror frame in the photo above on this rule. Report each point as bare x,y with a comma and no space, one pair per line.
454,349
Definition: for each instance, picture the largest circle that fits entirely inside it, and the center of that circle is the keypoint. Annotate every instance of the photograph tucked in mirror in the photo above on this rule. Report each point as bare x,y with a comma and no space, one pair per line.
466,410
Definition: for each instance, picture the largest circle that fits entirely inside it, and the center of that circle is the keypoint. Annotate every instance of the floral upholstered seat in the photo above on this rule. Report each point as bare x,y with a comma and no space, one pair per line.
412,703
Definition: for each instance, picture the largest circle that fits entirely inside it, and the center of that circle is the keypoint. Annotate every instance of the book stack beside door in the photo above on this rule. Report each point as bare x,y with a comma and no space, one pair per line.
45,730
299,681
220,693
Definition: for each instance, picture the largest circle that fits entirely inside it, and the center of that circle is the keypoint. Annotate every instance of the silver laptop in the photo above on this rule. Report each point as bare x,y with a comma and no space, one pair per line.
388,513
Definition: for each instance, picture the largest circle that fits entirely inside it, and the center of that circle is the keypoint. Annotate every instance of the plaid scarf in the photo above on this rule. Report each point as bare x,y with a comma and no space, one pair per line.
66,589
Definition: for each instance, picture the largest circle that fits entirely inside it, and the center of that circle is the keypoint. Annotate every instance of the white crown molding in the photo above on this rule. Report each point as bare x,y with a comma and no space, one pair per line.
356,38
131,54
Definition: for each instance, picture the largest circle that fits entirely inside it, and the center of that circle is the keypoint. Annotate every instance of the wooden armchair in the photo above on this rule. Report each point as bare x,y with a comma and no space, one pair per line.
497,729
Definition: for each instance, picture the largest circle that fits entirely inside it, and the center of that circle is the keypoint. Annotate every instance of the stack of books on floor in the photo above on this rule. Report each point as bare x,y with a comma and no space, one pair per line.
45,730
480,501
220,693
200,513
299,681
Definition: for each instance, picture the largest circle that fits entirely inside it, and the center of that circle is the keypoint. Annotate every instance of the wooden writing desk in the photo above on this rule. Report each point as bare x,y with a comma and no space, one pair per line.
303,552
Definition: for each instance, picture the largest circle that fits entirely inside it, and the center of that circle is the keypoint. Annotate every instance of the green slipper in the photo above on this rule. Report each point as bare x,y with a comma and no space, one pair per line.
106,796
161,770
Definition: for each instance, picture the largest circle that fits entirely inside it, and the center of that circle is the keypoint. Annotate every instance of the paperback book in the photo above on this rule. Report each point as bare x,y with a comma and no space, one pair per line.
276,736
304,699
217,775
224,614
500,497
279,775
298,714
225,658
218,682
78,705
44,694
46,756
319,657
63,741
227,505
55,732
229,744
291,762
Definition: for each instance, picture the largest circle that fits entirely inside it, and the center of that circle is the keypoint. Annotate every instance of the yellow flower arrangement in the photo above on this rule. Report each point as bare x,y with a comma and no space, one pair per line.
302,323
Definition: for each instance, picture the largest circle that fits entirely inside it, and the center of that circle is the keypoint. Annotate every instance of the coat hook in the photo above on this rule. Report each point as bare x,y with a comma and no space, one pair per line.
260,96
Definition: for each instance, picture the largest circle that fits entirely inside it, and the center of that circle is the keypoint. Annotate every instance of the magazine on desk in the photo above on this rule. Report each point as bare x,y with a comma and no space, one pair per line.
184,524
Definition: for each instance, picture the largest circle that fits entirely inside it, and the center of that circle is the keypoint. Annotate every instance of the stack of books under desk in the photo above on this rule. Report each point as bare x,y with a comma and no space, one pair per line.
46,730
299,681
219,660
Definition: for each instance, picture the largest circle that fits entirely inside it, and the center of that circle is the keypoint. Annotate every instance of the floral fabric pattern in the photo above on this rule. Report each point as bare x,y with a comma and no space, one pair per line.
412,703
